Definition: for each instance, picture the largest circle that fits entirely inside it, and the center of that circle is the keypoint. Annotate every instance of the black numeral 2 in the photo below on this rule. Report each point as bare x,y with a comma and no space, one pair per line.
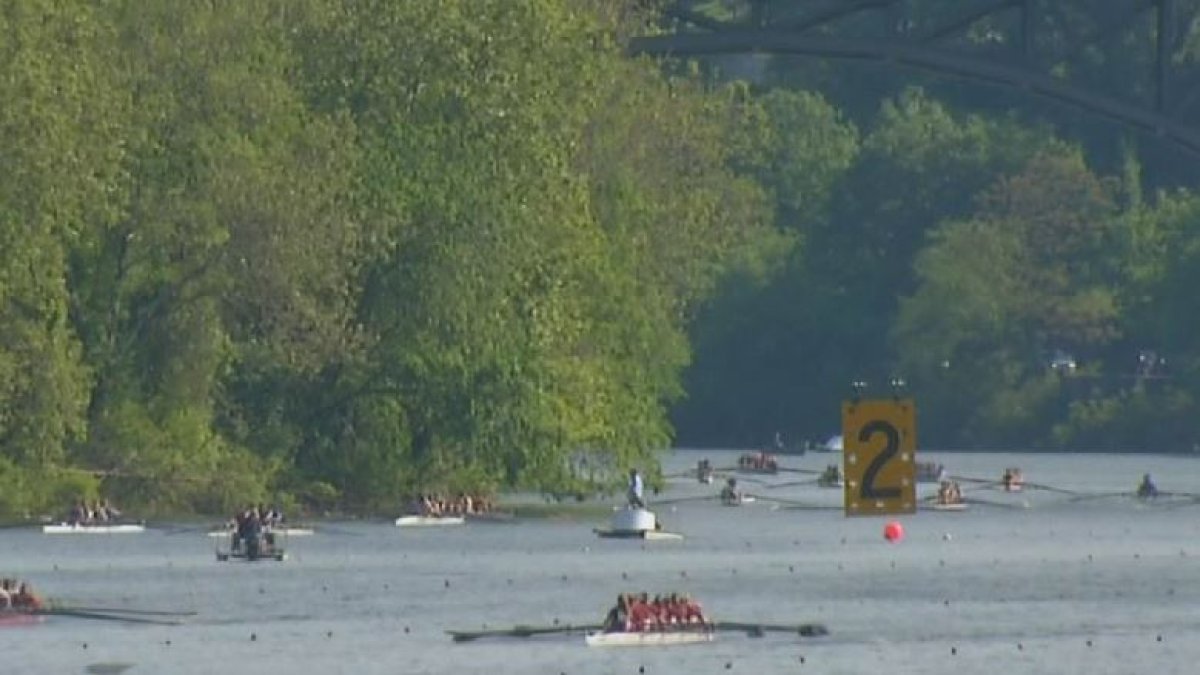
868,489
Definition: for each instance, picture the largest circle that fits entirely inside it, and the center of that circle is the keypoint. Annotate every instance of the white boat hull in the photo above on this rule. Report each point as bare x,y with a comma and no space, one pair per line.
429,521
116,528
647,535
949,507
648,638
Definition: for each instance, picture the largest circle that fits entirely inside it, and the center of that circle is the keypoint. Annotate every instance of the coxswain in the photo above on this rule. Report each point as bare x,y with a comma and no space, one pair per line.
617,620
636,488
1147,490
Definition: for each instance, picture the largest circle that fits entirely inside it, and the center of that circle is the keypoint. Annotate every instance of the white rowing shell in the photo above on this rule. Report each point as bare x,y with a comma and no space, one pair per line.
429,521
116,528
648,638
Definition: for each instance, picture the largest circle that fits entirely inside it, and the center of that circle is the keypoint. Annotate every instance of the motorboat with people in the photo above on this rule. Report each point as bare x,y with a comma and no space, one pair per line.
758,462
253,538
271,520
1012,480
831,477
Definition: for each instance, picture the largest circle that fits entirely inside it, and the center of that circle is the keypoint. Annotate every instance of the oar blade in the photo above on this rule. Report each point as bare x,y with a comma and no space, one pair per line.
97,616
521,631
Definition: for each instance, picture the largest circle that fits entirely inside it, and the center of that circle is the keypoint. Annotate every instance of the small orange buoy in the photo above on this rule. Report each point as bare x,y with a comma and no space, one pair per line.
893,531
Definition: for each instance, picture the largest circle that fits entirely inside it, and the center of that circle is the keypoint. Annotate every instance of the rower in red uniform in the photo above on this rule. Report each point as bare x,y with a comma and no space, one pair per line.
641,615
26,598
692,612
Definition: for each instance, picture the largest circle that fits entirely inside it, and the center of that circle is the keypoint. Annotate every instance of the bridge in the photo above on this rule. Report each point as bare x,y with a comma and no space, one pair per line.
1043,47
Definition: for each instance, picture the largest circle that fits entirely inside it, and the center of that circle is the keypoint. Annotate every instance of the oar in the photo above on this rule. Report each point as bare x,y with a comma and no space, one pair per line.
680,500
986,502
798,505
968,479
758,629
794,483
118,610
1101,495
808,471
105,617
521,631
1050,488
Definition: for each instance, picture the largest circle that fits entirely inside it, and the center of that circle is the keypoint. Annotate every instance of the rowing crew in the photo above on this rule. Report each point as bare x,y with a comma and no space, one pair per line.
16,595
949,493
636,613
83,513
758,461
436,506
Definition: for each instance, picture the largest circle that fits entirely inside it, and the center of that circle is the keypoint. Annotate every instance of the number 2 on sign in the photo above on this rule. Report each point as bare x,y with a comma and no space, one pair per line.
868,489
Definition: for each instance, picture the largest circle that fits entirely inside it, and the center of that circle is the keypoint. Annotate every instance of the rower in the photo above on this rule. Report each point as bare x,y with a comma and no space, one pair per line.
636,488
730,494
692,612
25,598
1147,490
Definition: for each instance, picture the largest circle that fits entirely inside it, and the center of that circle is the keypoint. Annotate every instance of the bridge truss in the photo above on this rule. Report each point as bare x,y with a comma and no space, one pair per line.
1044,47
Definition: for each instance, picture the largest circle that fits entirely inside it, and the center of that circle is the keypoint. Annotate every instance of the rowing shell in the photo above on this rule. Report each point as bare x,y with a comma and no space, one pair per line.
116,528
647,639
949,507
429,521
19,618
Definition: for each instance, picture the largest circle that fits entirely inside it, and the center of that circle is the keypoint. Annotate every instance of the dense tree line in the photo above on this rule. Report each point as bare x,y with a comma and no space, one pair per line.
337,252
344,251
1024,269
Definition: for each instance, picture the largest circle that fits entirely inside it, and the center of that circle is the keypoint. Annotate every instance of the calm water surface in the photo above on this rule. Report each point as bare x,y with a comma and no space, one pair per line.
1038,581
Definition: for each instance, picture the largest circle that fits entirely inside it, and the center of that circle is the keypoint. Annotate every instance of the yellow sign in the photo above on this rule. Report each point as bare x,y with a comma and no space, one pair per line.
880,441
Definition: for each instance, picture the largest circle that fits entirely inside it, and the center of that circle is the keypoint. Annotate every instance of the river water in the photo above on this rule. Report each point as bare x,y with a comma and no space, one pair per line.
1035,582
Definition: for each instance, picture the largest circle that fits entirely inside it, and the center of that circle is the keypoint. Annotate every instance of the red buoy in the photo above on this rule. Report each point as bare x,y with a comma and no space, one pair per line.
893,531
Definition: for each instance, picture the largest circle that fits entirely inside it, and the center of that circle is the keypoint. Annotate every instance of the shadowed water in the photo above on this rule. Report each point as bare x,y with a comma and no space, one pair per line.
1035,582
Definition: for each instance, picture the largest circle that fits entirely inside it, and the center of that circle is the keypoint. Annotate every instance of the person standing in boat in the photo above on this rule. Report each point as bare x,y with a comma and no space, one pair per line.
636,489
